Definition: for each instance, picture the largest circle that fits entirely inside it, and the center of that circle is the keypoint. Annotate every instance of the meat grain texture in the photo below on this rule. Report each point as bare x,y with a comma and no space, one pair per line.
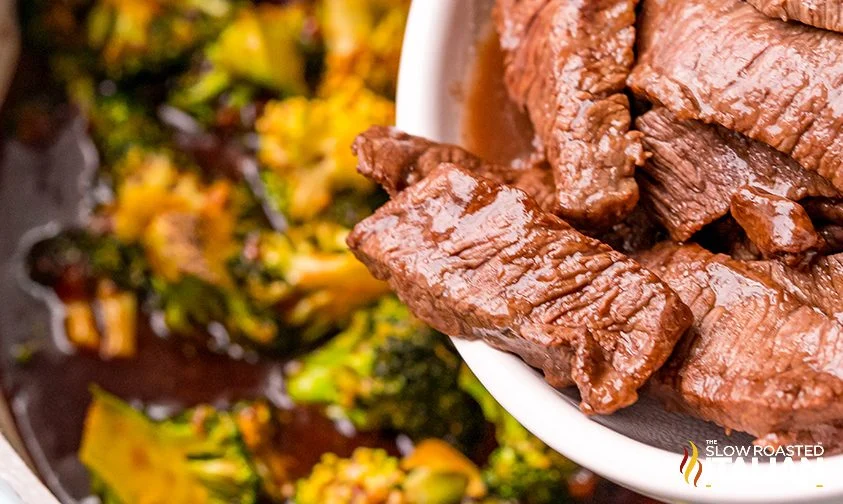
758,358
566,63
696,169
723,62
397,160
827,14
480,260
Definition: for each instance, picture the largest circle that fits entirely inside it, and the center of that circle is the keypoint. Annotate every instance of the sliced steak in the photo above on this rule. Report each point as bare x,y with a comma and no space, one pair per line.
397,160
723,62
757,359
826,14
480,260
566,63
695,169
820,285
778,226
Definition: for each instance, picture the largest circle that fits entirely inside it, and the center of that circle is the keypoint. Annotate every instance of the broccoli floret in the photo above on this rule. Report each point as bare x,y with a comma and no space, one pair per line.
434,473
188,232
363,41
197,457
262,431
305,142
387,370
522,467
191,304
308,277
130,36
244,60
116,121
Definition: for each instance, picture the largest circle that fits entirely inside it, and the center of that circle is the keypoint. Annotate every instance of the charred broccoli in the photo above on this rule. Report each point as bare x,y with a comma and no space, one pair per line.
265,48
188,232
117,122
434,473
522,468
197,457
308,277
305,144
130,36
363,41
387,370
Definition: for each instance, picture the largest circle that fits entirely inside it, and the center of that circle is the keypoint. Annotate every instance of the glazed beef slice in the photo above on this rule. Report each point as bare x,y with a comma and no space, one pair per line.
397,160
566,63
480,260
723,62
779,227
758,358
826,14
820,285
696,169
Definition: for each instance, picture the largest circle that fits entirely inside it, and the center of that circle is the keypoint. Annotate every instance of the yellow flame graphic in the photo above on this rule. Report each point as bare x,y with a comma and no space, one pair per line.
695,455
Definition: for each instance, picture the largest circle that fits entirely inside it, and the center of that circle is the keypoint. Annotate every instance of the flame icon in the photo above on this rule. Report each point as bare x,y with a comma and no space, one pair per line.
686,471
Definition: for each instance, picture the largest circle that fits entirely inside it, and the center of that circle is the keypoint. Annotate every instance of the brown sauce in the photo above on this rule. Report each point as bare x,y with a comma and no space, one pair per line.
494,127
51,394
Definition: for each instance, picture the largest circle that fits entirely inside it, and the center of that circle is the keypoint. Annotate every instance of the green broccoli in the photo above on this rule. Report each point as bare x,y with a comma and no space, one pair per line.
197,457
132,36
116,121
434,473
363,41
190,304
244,60
305,144
308,277
522,467
387,370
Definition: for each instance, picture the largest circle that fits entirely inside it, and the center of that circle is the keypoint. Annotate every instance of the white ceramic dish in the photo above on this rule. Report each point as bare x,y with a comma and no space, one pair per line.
641,447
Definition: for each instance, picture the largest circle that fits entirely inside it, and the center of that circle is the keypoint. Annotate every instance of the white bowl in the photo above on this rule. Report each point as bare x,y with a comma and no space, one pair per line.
640,447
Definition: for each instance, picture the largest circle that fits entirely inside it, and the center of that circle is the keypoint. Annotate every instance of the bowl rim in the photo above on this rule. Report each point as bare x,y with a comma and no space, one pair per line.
435,37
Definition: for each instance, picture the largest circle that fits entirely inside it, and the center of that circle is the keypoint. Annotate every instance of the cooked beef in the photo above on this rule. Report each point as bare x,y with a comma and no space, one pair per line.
757,359
723,62
825,210
638,231
566,63
820,285
397,160
477,259
778,226
695,169
826,14
833,236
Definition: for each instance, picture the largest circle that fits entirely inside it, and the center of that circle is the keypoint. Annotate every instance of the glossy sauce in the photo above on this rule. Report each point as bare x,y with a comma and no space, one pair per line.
494,127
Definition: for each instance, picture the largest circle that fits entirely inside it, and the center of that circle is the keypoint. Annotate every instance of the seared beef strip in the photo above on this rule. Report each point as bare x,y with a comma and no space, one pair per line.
757,359
820,285
695,169
397,160
566,63
477,259
779,227
826,14
723,62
